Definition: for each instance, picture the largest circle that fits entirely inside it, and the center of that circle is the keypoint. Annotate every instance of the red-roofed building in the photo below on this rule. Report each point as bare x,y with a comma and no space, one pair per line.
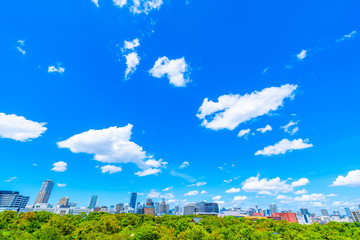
289,217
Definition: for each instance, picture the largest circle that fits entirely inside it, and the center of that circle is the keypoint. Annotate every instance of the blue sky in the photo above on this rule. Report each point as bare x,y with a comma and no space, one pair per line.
177,94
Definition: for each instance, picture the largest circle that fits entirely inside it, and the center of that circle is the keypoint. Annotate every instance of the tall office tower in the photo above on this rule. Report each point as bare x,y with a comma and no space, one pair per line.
45,191
324,212
64,202
119,207
12,199
273,208
304,211
162,207
211,208
133,200
189,209
93,201
348,212
356,216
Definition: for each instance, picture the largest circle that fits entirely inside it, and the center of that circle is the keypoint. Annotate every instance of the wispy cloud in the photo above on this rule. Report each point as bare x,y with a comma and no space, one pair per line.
284,146
10,179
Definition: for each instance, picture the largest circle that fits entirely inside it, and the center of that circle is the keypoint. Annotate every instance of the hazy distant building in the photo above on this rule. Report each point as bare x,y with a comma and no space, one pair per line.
304,211
348,212
324,212
149,208
356,215
162,207
64,202
132,203
189,210
93,201
45,191
273,208
211,208
12,199
119,207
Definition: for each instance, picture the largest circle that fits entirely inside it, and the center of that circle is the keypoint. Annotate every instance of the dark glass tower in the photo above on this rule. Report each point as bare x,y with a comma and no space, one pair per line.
133,200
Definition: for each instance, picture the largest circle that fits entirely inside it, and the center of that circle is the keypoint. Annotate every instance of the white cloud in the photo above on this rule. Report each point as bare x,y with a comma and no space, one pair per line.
19,128
351,179
21,44
168,189
21,50
233,190
283,197
167,196
300,182
342,203
34,164
58,69
264,129
240,198
131,45
182,175
302,55
61,184
290,127
147,172
216,197
332,195
59,166
184,165
10,179
96,2
173,69
113,145
311,197
198,184
265,193
153,194
347,36
244,132
220,202
267,186
132,60
283,146
203,192
120,3
192,193
232,110
145,6
110,169
302,191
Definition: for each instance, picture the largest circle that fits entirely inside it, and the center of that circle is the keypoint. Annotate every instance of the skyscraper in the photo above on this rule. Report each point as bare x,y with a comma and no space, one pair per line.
324,212
64,202
93,201
44,192
348,212
273,208
133,200
304,211
356,216
12,199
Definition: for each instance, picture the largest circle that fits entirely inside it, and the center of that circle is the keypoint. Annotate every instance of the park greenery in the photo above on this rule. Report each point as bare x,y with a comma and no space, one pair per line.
100,225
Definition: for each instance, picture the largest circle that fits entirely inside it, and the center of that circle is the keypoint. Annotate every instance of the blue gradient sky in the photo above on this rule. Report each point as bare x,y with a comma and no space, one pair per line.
226,47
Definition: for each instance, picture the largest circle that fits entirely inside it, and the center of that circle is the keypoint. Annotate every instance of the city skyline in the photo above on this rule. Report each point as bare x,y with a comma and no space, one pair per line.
242,106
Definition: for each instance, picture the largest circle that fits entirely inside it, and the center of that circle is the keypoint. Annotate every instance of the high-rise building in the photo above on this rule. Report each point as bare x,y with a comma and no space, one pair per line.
304,211
273,208
348,212
44,192
149,208
162,207
132,203
12,199
356,215
64,202
189,209
211,208
119,207
324,212
93,201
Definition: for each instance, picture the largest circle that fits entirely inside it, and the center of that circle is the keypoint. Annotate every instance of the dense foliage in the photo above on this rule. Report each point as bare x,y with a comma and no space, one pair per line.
44,225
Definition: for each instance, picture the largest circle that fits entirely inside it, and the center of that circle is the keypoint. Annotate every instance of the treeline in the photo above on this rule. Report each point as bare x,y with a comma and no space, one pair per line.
48,226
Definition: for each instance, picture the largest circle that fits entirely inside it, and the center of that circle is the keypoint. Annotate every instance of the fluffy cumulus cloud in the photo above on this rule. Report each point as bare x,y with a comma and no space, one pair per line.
61,184
110,169
291,127
231,110
113,145
131,45
302,55
175,70
275,185
240,198
244,133
153,194
264,129
20,129
191,193
216,197
233,190
284,146
310,198
184,165
139,6
96,2
58,69
59,166
203,192
131,56
351,179
302,191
